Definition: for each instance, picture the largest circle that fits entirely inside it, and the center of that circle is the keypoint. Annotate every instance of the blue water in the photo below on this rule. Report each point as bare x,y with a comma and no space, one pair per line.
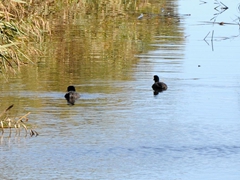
190,131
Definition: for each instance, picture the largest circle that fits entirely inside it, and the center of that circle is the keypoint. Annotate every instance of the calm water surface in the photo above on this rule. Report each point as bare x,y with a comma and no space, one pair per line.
118,129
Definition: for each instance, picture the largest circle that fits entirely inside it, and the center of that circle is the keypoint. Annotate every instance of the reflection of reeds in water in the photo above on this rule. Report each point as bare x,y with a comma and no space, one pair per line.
17,124
220,8
25,21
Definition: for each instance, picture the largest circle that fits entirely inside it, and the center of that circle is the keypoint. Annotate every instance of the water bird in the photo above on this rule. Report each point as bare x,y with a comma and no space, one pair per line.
140,17
158,86
71,96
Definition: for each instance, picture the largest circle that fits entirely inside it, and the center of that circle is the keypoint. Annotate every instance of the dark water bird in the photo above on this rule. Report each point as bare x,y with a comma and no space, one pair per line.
158,86
71,96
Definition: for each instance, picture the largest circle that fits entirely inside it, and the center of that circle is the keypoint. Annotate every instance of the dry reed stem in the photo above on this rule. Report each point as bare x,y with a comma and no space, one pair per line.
19,25
16,124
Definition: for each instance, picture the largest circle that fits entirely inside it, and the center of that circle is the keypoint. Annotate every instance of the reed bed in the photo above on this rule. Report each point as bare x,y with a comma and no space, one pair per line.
21,32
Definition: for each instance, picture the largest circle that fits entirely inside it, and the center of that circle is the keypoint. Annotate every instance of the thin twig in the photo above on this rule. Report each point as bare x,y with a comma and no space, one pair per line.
212,41
207,35
25,127
23,117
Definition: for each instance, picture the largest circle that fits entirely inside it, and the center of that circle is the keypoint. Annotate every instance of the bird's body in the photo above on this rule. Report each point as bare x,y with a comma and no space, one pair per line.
158,86
71,96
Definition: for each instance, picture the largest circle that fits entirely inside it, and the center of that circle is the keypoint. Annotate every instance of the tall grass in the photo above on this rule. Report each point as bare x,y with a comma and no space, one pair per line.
21,29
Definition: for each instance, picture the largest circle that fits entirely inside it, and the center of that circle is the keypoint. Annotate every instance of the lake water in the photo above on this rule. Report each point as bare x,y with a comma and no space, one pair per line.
118,129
